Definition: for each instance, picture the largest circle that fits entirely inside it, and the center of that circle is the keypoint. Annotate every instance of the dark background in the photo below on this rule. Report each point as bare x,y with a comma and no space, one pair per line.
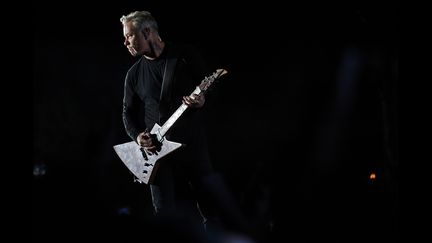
307,112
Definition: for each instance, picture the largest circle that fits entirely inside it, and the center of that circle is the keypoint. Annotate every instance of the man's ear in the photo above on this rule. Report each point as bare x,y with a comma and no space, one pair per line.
146,33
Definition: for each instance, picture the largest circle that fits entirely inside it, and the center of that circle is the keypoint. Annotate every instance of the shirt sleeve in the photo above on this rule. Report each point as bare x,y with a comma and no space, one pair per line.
130,108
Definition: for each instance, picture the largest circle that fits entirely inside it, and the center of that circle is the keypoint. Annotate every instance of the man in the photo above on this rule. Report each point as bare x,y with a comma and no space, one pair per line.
155,86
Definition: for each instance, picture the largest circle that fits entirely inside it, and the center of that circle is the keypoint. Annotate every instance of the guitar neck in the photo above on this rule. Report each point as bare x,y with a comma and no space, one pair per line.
175,116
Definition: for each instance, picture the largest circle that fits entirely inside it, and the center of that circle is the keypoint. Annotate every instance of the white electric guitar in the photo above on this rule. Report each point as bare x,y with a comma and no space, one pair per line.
144,164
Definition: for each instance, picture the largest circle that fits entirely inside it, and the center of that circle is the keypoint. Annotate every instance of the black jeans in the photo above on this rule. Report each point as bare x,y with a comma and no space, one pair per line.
195,175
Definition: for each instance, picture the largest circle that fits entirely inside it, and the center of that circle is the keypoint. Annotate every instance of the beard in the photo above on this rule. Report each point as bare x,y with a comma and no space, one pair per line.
133,51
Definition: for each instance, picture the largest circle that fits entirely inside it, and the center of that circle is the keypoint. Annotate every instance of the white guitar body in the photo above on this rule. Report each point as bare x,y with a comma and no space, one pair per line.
132,156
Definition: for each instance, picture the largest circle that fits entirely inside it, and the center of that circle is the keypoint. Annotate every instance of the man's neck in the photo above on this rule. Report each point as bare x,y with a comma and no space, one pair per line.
157,48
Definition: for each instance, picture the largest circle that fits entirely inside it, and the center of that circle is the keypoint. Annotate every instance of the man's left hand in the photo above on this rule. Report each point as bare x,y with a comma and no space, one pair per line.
194,101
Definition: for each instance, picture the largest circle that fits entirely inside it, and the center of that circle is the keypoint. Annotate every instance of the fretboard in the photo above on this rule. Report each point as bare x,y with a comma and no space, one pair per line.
175,116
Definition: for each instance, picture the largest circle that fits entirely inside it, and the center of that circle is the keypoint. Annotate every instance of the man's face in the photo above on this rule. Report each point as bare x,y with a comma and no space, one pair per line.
134,40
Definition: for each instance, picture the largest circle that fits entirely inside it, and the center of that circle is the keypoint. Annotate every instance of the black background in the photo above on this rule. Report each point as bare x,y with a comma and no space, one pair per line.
306,113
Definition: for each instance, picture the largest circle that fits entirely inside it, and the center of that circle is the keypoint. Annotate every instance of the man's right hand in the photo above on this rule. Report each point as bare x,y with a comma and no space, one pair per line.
145,140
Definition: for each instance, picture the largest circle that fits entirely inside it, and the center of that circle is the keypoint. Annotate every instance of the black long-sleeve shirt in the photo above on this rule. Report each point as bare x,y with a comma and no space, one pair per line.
142,107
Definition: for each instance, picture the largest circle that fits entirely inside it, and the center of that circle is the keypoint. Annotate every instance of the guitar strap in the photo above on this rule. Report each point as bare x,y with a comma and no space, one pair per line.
165,95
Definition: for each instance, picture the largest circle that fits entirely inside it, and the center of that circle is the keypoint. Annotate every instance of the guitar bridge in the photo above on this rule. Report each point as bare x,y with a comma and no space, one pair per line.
144,154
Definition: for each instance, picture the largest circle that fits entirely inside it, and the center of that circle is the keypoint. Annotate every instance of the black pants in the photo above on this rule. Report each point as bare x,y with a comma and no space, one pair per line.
195,174
215,202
